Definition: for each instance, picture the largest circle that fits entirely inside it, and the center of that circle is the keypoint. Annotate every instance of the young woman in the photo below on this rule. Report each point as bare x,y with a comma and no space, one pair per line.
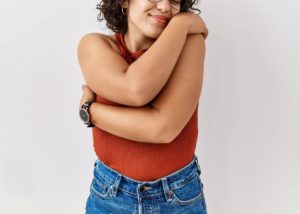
141,98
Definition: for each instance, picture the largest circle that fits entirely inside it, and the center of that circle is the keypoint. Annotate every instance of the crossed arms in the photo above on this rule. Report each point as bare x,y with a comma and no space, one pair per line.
173,92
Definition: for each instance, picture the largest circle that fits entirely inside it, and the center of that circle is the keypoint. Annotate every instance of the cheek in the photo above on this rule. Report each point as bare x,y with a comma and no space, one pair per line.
175,12
137,14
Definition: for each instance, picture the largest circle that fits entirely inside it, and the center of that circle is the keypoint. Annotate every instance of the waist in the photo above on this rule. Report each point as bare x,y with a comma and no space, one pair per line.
143,161
112,177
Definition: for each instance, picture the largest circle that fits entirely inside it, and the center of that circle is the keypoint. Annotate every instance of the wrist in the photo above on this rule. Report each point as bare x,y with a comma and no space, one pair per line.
91,113
84,113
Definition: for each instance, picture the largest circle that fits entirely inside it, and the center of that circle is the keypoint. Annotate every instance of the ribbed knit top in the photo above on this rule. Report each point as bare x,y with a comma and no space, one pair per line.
144,161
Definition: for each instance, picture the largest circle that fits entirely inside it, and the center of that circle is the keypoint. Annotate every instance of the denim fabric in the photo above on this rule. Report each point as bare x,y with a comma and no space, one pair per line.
114,193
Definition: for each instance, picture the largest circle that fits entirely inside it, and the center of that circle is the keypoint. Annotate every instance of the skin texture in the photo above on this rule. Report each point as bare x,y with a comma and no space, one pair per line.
171,109
140,81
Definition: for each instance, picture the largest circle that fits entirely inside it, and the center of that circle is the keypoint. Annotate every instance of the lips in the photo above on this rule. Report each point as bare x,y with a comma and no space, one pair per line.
159,18
162,18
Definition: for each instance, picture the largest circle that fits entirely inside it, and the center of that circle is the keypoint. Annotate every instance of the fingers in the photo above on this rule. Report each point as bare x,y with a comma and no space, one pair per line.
88,94
83,87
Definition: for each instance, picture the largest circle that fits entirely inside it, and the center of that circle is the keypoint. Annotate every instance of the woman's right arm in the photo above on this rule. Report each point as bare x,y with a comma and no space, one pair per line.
138,83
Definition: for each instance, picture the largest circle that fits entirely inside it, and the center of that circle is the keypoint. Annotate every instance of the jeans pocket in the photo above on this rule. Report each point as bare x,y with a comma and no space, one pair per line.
100,186
188,192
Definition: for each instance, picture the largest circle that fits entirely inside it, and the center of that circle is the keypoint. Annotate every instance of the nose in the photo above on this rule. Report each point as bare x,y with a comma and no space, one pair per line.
164,5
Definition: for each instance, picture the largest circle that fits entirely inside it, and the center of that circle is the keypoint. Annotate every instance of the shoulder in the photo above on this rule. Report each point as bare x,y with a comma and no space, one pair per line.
92,38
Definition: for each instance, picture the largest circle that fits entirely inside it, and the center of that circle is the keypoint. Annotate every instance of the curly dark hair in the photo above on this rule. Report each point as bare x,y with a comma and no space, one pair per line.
110,10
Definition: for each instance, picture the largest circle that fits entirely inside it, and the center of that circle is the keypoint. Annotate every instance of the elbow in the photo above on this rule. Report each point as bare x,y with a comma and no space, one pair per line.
136,99
139,98
169,132
165,133
168,137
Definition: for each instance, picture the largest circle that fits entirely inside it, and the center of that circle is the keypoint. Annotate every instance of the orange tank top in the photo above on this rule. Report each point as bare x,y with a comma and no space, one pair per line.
144,161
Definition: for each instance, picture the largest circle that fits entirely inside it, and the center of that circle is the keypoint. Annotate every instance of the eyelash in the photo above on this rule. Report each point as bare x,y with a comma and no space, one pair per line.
176,2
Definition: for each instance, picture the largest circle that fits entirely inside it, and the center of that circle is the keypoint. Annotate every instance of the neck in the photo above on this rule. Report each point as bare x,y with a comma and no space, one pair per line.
137,41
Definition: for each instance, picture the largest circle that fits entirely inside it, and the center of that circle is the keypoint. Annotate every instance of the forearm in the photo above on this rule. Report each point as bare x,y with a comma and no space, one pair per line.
142,124
151,71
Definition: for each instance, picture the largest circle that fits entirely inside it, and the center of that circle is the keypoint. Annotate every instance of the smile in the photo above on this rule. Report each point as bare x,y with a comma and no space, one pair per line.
157,20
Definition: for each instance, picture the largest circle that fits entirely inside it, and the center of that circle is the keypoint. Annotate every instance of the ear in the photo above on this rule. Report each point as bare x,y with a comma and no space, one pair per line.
125,4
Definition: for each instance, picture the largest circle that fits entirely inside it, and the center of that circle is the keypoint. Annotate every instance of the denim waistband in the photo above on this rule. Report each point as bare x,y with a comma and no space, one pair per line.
146,188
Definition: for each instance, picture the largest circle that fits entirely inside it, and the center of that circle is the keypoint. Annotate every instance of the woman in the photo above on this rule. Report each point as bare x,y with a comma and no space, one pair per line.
141,98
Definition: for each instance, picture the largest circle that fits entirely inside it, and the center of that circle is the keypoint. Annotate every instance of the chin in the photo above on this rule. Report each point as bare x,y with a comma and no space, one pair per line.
153,33
152,36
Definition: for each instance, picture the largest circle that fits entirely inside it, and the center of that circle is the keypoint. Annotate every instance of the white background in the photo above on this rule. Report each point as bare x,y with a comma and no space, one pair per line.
249,116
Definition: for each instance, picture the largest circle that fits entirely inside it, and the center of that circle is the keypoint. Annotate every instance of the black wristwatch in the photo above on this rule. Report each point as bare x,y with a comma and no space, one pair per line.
84,113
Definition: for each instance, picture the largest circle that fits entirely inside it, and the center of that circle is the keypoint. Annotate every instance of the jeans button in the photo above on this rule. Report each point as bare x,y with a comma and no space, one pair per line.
142,189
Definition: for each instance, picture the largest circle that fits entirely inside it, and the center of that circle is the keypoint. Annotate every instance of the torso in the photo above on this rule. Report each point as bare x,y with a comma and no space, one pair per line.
143,161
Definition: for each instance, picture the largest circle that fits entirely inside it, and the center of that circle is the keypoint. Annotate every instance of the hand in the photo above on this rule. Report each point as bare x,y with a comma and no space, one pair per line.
193,22
88,94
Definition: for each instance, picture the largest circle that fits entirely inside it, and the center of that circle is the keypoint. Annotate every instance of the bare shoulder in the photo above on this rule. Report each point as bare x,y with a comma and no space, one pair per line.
96,38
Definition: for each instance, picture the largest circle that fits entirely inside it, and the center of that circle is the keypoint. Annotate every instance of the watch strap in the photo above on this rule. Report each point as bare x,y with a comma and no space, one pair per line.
86,105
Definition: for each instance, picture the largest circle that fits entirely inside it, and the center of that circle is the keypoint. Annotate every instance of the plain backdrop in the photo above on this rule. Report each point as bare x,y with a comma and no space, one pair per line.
249,120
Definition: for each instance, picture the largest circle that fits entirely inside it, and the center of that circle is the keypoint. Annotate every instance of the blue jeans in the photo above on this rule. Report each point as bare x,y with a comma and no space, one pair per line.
114,193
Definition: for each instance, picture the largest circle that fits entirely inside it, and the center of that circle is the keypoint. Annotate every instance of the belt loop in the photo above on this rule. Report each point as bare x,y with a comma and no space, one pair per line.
95,163
115,186
167,192
197,164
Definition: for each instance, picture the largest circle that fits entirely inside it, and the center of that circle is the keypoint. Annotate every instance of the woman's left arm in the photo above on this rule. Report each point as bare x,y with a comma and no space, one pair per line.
172,108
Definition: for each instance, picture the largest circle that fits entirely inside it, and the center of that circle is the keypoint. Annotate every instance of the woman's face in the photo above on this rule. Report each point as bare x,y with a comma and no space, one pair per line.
139,14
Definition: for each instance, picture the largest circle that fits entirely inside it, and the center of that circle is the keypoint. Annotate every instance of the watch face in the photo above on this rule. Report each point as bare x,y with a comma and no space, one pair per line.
84,115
